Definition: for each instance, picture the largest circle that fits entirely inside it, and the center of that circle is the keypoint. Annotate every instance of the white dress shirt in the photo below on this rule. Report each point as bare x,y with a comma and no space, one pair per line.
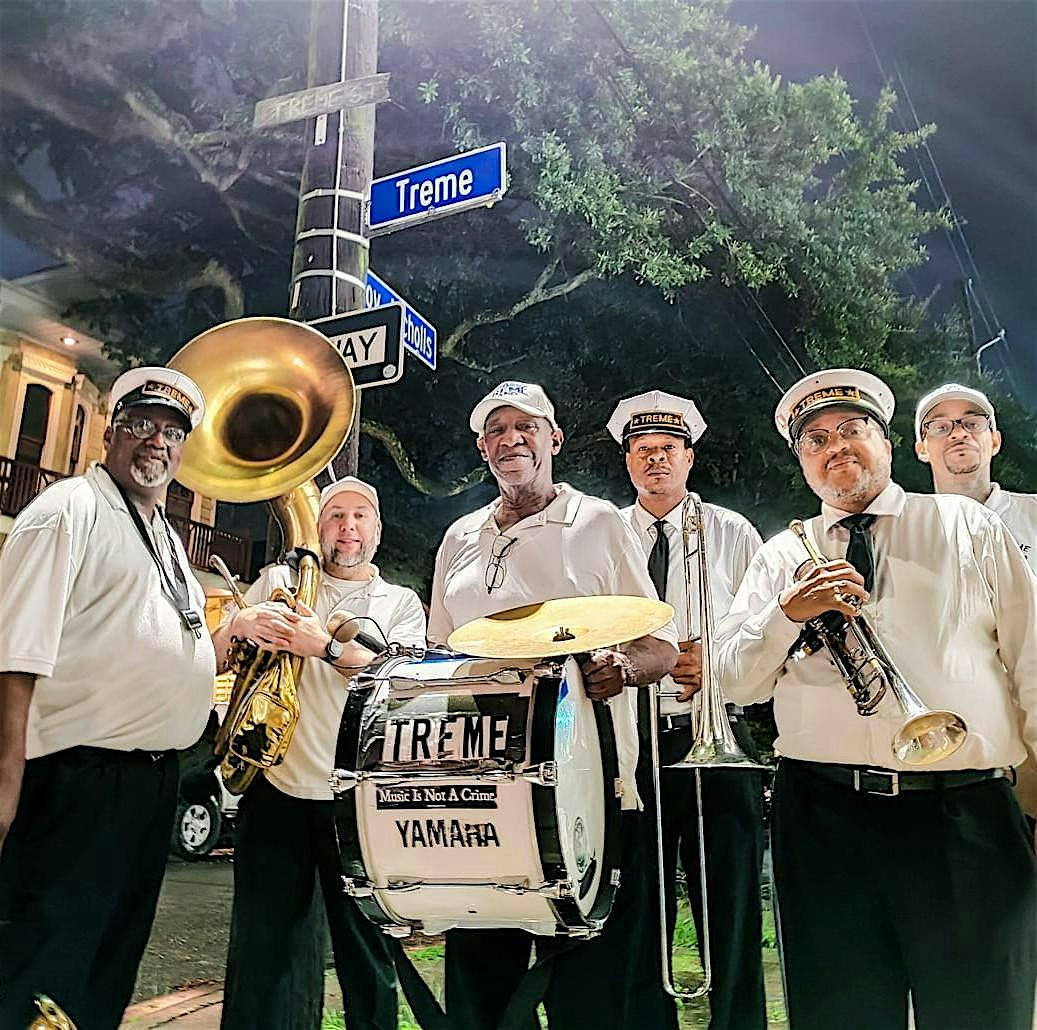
731,541
1019,513
578,546
398,614
82,608
955,605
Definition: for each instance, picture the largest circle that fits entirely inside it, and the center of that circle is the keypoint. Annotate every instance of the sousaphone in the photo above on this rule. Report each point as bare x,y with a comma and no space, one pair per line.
279,405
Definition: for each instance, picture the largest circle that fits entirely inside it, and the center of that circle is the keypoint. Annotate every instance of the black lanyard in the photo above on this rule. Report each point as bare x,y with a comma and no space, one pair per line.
175,586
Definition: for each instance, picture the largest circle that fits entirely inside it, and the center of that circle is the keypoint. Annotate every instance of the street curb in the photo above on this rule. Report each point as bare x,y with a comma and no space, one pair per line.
157,1012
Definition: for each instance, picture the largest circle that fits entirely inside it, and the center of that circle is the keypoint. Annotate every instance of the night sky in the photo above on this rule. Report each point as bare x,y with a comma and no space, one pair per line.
970,66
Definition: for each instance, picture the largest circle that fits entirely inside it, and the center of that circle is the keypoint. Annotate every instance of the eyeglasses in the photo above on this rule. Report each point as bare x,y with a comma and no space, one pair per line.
145,429
495,568
815,441
972,424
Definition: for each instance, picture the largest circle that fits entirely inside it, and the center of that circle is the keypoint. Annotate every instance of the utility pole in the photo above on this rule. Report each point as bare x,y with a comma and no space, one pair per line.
331,250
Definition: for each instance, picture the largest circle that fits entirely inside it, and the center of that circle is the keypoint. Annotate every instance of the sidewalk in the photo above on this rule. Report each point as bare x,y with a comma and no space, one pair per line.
199,1007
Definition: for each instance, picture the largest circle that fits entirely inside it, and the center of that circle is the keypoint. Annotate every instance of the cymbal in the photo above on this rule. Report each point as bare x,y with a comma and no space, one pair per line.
563,626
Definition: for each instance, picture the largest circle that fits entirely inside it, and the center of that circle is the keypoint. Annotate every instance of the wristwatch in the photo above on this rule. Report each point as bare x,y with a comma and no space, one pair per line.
333,650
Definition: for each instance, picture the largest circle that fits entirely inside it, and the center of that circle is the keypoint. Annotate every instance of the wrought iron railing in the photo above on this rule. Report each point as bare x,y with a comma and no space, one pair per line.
21,481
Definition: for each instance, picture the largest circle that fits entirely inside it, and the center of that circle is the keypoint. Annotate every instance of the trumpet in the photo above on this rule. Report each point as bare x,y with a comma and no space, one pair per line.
925,736
713,744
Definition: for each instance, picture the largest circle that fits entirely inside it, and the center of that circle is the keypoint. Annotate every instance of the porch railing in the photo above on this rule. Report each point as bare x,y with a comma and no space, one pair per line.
21,481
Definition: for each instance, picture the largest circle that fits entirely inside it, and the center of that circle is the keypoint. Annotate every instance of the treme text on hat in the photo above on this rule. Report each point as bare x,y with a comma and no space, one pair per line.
833,388
527,397
656,412
155,385
350,484
951,392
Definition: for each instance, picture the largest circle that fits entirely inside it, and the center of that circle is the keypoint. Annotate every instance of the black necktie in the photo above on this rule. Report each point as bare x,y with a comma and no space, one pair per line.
659,559
658,570
859,553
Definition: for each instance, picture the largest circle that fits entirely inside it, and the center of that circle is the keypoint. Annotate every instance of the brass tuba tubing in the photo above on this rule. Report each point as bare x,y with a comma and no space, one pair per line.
868,671
280,402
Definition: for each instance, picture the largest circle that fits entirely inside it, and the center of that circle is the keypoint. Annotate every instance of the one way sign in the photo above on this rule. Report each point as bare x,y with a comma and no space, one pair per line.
370,341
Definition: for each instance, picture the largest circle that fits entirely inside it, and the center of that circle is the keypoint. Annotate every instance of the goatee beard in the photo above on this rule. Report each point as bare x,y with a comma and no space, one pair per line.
336,556
148,473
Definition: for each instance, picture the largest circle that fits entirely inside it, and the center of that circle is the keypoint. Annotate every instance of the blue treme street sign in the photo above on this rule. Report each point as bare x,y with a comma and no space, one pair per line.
419,335
477,178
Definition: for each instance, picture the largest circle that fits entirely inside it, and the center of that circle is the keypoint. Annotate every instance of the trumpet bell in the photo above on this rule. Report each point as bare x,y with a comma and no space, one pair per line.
929,737
279,402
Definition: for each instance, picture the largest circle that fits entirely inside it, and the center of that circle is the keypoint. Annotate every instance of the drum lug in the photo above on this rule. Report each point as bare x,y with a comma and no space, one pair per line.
559,890
545,774
357,887
397,932
342,780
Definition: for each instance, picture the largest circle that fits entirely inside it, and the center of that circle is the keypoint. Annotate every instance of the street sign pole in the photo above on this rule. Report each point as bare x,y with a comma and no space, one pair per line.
331,249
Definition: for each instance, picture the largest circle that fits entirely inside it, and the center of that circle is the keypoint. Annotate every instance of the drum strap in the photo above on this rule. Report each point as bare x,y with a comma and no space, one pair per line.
422,1001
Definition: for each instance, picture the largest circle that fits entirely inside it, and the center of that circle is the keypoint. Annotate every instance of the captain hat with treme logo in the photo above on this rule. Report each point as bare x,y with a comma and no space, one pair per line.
833,388
155,385
656,412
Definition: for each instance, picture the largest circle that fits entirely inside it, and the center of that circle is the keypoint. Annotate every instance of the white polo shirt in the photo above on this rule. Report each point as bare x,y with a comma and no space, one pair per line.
322,689
1019,513
82,608
954,604
731,541
578,546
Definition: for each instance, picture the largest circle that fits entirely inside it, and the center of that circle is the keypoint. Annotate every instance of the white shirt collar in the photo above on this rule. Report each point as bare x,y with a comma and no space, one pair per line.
890,502
645,520
997,500
107,488
562,510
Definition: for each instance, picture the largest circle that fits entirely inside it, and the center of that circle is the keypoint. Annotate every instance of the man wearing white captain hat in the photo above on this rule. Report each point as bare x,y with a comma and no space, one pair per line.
897,883
956,435
285,836
105,670
657,432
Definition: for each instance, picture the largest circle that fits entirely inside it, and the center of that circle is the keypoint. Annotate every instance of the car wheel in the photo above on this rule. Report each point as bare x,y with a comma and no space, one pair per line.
197,828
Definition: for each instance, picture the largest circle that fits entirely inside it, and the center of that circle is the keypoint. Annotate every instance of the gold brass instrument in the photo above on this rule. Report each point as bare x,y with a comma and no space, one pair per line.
713,743
51,1016
279,405
868,671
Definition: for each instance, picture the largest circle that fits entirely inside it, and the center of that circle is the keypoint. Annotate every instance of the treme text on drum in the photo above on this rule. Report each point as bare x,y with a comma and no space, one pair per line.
462,736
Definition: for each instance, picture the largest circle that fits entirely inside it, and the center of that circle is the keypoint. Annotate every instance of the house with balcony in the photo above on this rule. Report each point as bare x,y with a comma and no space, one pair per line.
54,403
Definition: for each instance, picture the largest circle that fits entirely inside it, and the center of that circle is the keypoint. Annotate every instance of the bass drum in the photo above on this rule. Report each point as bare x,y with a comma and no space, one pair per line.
478,793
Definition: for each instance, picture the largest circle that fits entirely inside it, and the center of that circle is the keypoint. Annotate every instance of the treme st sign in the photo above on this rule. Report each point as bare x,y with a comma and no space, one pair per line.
307,103
477,178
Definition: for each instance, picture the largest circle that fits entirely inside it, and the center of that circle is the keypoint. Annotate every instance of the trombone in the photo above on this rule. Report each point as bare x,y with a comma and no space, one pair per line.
713,743
925,736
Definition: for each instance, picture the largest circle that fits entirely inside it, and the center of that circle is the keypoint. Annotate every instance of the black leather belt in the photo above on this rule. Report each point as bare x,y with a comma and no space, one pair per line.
679,722
674,722
110,754
890,783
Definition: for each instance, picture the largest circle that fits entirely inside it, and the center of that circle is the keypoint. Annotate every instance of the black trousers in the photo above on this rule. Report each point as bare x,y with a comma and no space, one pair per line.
732,808
79,880
932,892
284,848
590,982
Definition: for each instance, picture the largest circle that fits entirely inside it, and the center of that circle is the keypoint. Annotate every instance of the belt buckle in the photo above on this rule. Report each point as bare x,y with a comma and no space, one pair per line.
894,782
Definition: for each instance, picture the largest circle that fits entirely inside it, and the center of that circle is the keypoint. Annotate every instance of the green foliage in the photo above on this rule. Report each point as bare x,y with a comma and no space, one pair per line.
672,207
